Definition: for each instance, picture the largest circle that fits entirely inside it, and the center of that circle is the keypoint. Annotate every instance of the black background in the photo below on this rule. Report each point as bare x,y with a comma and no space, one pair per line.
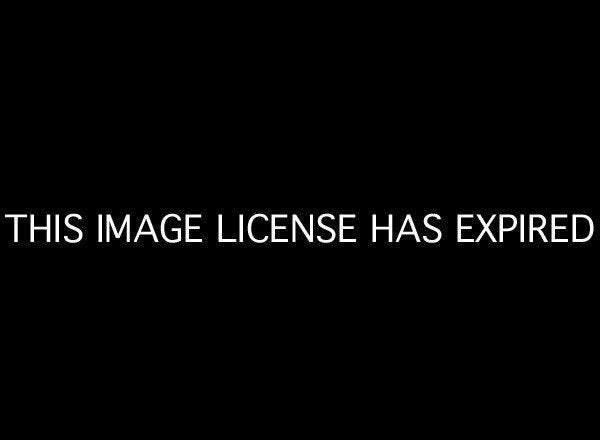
386,112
